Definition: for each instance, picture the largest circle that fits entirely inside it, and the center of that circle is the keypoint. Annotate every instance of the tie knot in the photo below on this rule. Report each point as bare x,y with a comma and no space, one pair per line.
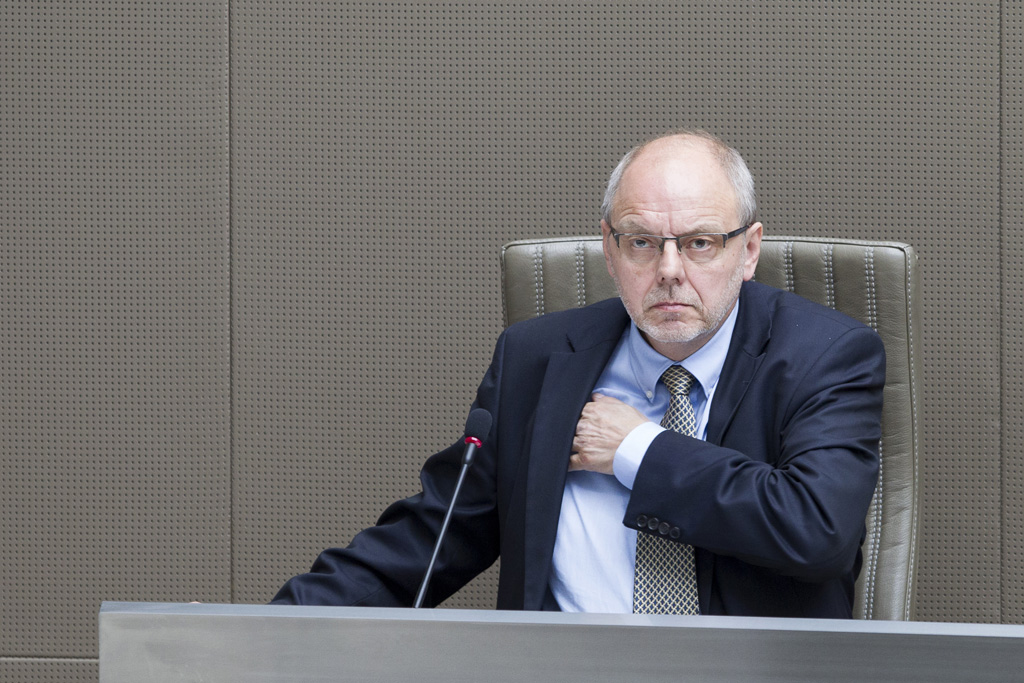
678,380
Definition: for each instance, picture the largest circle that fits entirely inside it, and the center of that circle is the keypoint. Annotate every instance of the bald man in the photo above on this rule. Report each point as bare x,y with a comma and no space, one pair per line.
702,444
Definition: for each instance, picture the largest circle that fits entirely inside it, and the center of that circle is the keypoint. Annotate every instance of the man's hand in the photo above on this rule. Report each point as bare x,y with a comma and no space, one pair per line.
605,422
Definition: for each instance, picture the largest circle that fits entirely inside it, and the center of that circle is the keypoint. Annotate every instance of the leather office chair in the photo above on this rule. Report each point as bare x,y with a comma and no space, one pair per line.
875,282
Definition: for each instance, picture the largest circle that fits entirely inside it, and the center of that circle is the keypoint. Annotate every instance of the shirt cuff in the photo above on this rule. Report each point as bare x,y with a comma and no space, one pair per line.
630,452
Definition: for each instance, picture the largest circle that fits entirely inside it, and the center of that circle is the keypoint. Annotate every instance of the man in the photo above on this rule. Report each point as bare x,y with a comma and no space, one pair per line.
750,501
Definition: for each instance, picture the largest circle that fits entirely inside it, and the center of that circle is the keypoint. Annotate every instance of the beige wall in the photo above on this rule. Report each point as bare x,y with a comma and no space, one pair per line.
241,241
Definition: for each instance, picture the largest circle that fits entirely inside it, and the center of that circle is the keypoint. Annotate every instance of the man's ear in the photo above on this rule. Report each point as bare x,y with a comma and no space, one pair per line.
606,246
752,249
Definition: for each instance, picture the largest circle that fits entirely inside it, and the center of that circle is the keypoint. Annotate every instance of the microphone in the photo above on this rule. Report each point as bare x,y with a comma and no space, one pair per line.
478,424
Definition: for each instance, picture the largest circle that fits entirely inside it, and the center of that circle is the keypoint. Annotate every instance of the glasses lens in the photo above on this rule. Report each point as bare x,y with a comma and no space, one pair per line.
640,248
702,248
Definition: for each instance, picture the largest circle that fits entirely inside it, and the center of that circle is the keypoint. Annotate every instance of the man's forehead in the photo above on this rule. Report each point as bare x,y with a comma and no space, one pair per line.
676,223
672,184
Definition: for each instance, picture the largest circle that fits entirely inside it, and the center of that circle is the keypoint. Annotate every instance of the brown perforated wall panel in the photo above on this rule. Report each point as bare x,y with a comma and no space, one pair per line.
114,319
249,257
1012,232
49,671
370,205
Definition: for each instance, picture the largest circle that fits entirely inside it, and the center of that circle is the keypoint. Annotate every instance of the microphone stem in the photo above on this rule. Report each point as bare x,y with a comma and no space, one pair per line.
444,526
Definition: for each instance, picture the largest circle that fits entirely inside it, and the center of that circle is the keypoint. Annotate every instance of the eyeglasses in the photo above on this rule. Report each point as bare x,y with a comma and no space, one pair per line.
698,248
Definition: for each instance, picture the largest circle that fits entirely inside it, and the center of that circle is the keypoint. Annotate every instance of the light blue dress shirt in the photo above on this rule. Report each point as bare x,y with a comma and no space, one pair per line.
592,564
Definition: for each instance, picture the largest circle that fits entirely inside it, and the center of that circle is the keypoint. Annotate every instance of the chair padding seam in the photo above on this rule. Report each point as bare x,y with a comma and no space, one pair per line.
538,279
873,550
869,276
787,262
581,280
908,598
830,284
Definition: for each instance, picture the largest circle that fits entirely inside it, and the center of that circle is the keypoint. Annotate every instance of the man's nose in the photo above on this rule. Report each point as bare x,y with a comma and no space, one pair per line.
670,264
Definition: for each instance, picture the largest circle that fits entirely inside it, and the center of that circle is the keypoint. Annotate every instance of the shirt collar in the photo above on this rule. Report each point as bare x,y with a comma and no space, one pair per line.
705,364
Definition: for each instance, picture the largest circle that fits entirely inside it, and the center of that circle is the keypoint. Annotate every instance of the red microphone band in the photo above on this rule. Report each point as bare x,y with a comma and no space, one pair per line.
475,441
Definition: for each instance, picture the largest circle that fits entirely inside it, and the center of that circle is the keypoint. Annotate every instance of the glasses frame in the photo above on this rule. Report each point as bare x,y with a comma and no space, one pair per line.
679,245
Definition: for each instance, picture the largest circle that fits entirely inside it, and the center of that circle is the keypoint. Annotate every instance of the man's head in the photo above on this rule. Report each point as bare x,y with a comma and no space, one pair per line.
677,186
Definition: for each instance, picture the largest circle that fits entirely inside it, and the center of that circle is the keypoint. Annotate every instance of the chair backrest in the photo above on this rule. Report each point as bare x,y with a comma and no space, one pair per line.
875,282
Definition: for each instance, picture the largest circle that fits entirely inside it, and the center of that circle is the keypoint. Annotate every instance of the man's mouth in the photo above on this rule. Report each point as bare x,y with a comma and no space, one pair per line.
671,306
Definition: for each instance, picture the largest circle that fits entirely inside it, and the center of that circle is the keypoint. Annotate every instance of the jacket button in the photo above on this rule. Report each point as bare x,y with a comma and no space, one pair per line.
641,521
673,533
663,528
652,523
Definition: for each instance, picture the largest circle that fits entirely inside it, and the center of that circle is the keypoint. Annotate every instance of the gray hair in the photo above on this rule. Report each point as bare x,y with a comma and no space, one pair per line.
732,163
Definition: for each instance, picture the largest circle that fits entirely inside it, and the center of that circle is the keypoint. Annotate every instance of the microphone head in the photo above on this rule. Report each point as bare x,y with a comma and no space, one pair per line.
478,424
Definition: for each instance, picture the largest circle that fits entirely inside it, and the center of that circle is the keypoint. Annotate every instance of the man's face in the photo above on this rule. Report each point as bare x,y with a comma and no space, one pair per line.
676,187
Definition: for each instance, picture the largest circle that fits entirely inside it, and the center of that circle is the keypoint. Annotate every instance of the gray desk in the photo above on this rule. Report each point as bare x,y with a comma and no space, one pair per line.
174,642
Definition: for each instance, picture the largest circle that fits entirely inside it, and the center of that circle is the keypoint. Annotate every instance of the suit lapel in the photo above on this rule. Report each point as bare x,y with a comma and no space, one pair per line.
568,383
746,353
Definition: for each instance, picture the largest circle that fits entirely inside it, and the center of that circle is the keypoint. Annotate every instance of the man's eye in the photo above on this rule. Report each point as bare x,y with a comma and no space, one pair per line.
699,243
641,242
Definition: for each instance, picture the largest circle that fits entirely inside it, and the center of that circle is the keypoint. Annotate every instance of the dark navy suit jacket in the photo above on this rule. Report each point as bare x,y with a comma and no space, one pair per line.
774,501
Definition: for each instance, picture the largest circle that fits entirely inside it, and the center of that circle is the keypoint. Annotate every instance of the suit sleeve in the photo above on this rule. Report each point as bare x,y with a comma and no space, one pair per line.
384,564
790,488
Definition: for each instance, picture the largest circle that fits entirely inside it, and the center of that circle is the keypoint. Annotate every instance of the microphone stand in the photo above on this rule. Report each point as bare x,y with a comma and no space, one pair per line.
472,443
